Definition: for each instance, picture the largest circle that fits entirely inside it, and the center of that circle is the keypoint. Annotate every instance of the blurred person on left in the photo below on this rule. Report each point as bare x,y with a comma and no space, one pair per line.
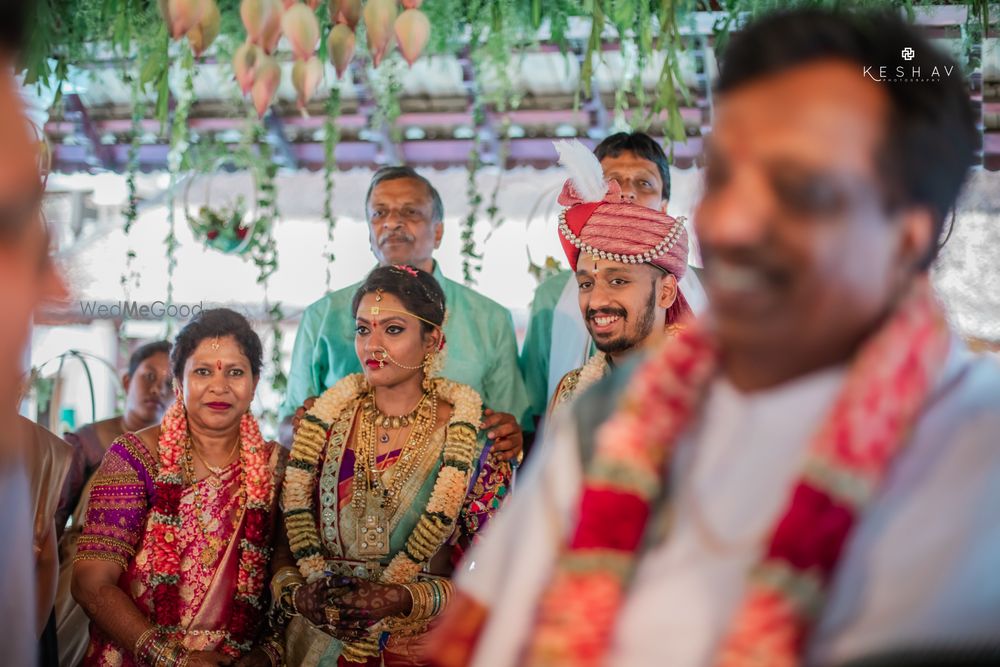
172,560
147,395
28,279
48,460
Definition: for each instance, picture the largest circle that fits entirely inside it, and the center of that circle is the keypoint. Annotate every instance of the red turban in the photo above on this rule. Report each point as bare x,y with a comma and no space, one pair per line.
618,230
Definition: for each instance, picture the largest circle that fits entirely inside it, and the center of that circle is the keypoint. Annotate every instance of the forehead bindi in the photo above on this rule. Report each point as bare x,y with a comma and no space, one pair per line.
587,266
380,300
376,311
223,351
822,115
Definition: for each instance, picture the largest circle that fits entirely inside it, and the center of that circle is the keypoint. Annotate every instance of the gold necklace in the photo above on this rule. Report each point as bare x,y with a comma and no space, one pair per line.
392,422
213,543
374,501
215,471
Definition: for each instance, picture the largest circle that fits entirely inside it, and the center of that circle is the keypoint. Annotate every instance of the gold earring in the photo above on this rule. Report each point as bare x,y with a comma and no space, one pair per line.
428,360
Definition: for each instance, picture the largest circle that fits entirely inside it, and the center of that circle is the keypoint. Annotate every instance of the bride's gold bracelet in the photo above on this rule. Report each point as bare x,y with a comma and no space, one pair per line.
429,599
285,582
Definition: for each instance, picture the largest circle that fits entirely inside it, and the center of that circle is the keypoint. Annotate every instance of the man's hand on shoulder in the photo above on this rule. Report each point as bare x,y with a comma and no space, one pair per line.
502,428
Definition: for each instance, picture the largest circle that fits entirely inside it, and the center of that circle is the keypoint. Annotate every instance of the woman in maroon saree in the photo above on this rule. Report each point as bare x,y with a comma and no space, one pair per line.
176,547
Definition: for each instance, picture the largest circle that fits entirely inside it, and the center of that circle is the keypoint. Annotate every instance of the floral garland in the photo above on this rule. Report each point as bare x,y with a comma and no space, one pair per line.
886,386
592,372
579,380
255,551
331,137
437,521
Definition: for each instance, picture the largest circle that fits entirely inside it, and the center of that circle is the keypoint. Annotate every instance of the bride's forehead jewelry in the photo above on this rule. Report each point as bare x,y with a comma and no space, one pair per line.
377,310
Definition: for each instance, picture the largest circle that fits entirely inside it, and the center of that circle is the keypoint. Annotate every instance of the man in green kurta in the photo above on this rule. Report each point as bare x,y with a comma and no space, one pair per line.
406,223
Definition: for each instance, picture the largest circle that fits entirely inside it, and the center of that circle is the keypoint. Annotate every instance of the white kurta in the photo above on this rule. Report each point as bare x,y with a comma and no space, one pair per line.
920,567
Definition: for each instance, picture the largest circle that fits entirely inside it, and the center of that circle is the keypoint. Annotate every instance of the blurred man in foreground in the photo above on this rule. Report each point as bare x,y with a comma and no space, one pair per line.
27,278
812,475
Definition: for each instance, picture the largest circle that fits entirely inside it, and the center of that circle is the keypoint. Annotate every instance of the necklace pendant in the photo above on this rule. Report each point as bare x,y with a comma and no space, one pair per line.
373,533
384,438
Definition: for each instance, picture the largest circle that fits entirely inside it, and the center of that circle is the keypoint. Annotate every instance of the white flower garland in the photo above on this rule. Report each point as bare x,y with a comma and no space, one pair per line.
447,496
592,372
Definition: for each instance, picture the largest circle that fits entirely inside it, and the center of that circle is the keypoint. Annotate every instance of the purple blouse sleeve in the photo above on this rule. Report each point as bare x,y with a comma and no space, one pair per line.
488,491
119,501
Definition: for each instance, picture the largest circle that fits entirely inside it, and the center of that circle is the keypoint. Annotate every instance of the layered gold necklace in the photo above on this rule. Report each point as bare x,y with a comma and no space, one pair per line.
374,499
214,544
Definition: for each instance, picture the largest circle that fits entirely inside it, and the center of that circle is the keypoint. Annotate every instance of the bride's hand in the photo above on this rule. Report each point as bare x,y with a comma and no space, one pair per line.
357,604
311,600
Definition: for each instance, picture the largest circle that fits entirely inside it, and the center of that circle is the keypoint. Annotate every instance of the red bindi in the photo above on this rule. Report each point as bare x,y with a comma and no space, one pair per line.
218,364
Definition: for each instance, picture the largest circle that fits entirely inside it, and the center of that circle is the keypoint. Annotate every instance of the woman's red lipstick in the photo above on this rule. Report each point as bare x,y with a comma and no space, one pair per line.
373,364
219,405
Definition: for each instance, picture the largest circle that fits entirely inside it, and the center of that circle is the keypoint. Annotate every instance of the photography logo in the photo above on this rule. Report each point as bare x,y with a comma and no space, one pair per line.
907,73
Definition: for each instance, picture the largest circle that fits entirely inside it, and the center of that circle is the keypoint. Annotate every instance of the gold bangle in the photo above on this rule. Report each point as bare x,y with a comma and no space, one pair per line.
446,591
283,575
167,655
291,589
414,603
422,596
160,645
141,641
176,655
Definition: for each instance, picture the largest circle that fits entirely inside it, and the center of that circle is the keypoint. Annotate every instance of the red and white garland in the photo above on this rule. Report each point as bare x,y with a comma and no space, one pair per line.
867,426
255,551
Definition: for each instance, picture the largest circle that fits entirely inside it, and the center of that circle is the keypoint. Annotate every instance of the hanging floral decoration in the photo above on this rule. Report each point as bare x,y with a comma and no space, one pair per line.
264,254
331,137
72,31
177,163
471,258
226,229
129,279
233,227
